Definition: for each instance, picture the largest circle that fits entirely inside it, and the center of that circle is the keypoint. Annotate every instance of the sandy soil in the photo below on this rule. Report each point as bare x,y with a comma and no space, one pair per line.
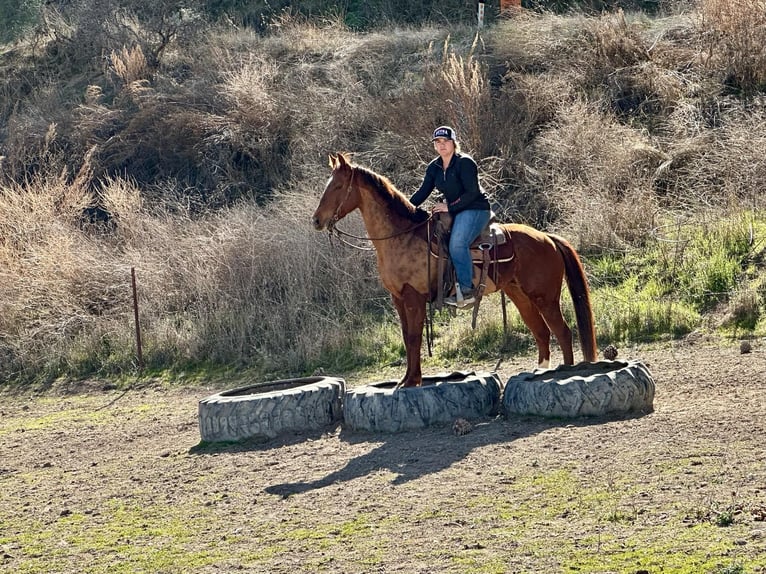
94,479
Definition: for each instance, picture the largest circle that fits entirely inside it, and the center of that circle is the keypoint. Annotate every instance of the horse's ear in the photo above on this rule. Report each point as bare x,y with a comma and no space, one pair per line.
343,159
333,161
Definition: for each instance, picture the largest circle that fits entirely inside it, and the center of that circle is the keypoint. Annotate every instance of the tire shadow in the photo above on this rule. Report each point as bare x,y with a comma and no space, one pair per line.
262,443
414,454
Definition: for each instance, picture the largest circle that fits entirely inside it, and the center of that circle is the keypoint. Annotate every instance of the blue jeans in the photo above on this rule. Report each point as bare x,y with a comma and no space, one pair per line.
466,226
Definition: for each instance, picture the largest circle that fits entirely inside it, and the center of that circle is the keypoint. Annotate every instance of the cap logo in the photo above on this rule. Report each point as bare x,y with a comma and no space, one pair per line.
443,132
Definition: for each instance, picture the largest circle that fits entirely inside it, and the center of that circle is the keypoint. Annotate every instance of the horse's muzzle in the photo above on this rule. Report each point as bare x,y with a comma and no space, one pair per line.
319,225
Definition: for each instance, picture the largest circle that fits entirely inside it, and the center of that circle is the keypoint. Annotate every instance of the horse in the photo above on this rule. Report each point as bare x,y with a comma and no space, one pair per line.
529,267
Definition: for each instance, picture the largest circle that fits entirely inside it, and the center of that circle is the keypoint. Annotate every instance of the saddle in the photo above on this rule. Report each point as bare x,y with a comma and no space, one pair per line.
483,252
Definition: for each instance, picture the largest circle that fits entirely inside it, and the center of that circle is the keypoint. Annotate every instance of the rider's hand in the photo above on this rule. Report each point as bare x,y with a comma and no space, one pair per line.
439,208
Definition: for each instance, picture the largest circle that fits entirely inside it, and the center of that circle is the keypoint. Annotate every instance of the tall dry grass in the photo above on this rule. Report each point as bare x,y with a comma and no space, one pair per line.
207,159
597,173
241,286
733,36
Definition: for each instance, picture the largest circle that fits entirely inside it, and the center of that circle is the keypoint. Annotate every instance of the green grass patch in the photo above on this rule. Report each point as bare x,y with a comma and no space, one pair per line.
123,537
682,551
73,416
376,343
538,508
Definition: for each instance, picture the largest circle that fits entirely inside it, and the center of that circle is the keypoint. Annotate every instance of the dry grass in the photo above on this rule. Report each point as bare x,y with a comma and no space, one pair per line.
598,174
130,65
717,164
733,36
586,125
237,286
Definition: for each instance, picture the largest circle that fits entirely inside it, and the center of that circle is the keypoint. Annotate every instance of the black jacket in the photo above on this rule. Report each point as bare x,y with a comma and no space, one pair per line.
459,183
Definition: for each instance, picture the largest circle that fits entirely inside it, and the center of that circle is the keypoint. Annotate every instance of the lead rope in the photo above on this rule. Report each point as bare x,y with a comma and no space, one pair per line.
484,248
502,293
430,311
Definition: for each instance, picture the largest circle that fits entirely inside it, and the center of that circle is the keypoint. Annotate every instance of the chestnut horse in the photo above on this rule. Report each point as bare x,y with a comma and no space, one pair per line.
531,265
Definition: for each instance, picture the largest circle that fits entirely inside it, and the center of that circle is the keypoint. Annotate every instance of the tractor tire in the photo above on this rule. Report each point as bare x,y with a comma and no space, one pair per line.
585,389
264,411
442,398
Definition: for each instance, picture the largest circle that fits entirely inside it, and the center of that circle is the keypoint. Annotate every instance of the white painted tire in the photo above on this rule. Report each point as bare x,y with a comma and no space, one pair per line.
441,399
269,409
585,389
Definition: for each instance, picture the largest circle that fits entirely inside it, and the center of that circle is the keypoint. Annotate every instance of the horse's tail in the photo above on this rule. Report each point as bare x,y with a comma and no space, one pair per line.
578,289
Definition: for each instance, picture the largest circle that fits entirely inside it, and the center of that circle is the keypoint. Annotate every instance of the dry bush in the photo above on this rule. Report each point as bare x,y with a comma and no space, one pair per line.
492,125
130,65
410,116
461,81
75,38
614,65
57,279
673,43
733,37
245,285
389,63
36,139
324,106
245,147
598,174
233,130
525,105
715,165
280,280
535,43
449,86
639,68
81,33
218,148
610,58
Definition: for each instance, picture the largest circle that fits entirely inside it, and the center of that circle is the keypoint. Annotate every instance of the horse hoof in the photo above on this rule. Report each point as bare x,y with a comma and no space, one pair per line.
406,385
440,399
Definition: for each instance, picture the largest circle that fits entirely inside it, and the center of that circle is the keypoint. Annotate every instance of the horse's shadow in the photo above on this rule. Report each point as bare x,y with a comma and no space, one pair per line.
411,455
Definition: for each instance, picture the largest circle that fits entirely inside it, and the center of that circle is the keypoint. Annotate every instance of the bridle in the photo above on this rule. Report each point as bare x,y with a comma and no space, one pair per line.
336,214
332,224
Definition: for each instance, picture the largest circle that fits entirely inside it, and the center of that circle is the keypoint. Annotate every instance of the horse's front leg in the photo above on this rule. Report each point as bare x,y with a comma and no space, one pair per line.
411,307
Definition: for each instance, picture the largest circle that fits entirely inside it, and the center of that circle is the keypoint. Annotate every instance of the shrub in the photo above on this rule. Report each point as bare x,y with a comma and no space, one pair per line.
734,34
17,17
207,157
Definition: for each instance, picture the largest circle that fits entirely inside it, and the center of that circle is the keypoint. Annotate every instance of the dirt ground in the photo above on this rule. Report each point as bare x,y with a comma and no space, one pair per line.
94,479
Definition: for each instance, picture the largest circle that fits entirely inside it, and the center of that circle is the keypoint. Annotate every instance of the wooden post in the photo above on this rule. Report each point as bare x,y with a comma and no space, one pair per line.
138,325
480,14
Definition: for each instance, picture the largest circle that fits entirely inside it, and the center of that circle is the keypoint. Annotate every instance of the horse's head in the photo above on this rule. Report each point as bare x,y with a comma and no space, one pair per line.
338,199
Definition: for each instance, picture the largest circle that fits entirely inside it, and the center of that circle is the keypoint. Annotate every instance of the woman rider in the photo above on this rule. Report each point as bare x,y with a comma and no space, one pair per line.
456,175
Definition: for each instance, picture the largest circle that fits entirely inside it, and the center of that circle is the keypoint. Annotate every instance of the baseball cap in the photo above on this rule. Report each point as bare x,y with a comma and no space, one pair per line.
445,132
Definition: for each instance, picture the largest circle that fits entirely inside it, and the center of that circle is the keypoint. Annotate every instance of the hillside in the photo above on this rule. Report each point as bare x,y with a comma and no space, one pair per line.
193,151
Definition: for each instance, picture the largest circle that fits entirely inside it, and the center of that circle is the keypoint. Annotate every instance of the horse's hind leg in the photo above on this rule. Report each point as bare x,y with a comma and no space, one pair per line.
536,324
551,311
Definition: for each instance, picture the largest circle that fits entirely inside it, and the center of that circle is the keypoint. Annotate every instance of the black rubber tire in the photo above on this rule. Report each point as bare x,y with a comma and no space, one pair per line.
441,399
269,409
585,389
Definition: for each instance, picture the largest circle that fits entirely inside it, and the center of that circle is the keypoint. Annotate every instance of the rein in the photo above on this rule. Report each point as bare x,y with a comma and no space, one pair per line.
332,226
340,232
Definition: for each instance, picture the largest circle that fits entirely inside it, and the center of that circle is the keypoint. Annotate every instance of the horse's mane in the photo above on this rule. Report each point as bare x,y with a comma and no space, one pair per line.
393,197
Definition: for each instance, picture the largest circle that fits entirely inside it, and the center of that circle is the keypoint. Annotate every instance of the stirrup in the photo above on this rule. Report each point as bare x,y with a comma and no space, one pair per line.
459,301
